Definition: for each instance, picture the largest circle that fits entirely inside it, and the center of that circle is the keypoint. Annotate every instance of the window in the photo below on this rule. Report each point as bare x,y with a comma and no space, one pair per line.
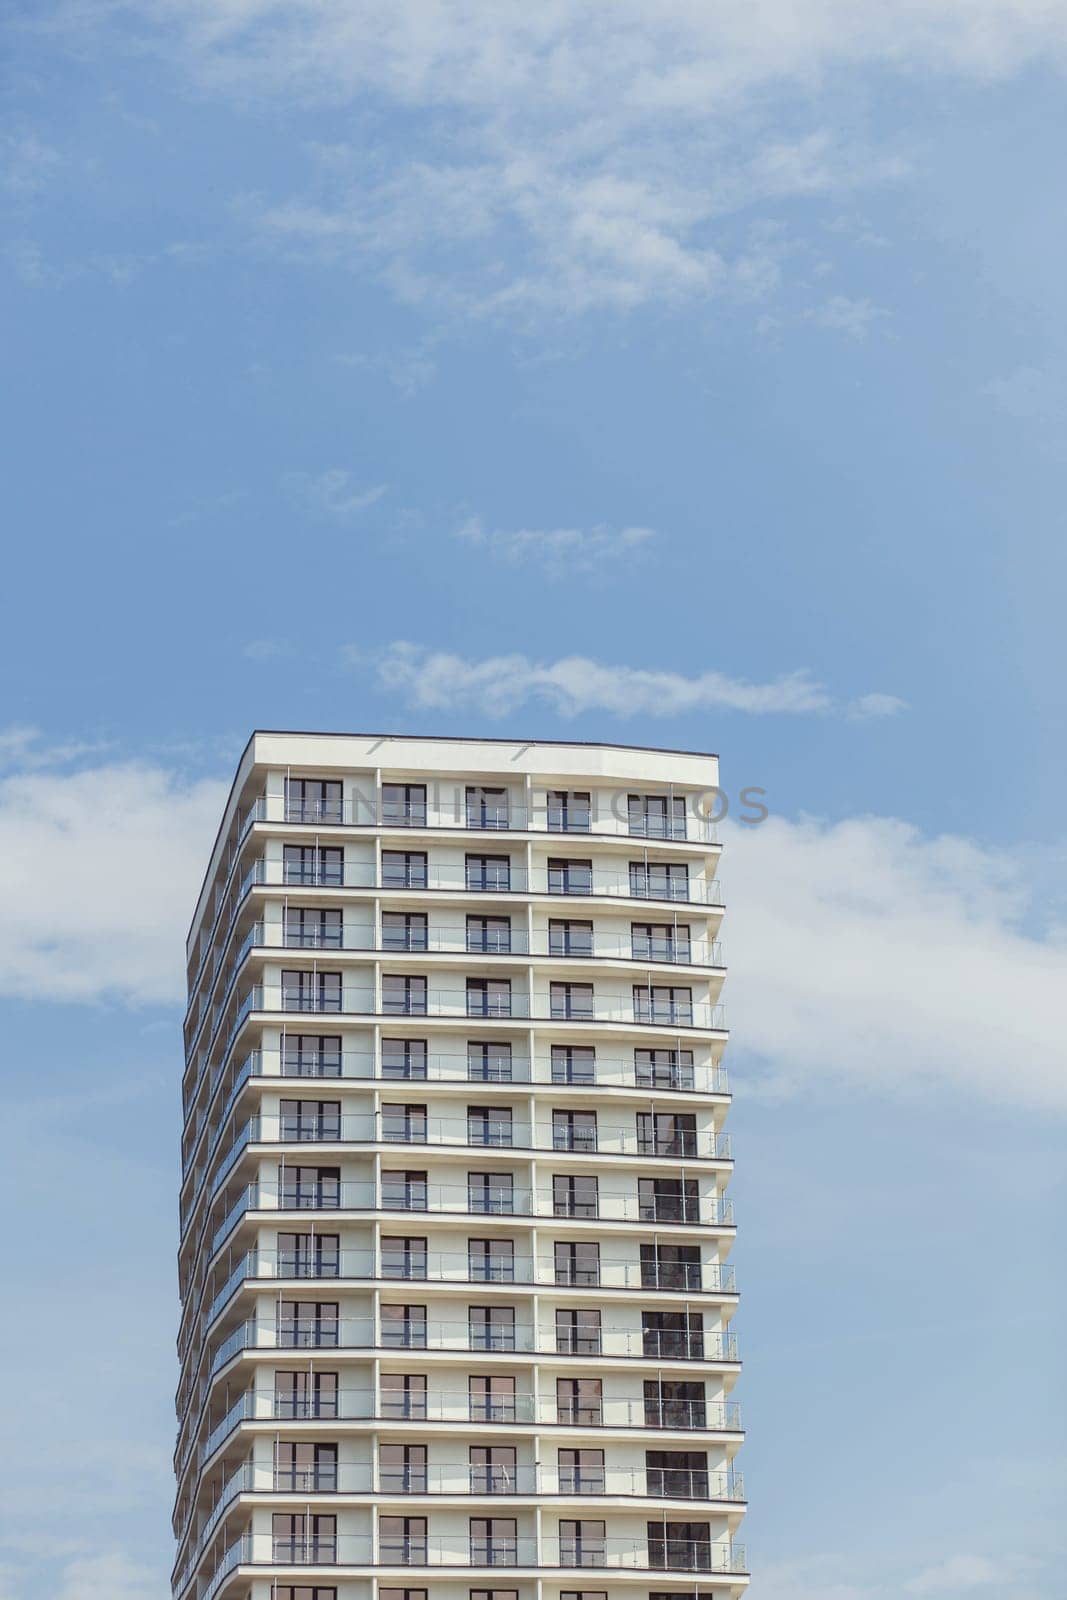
311,991
659,880
402,1542
491,1260
404,1190
308,1324
405,930
404,1059
309,1188
574,1195
568,812
664,1069
573,1063
405,869
492,1399
404,805
682,1474
672,1403
489,935
305,1394
489,997
581,1472
420,1594
488,872
492,1193
403,1396
487,808
569,938
570,1000
578,1332
574,1130
403,1258
306,1591
303,1467
656,816
668,1200
569,876
311,1055
403,1327
310,1119
581,1544
494,1541
666,1133
493,1469
403,995
313,864
670,1266
313,930
673,1335
309,1255
580,1401
489,1125
491,1327
402,1468
663,1002
313,800
680,1546
304,1539
659,941
577,1261
403,1124
489,1062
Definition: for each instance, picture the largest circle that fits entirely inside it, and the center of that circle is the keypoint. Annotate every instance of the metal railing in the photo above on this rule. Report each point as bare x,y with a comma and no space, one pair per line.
444,939
512,815
643,883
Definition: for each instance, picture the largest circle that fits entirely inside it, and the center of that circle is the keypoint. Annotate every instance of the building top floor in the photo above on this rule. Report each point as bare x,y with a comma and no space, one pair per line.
344,777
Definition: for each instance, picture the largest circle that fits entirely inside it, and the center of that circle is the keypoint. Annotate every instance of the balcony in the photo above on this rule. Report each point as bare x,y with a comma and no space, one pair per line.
361,1333
497,1133
627,1554
455,939
348,1000
642,882
330,1262
449,809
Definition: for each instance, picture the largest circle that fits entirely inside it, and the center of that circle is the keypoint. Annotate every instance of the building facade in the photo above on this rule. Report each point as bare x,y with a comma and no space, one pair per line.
456,1298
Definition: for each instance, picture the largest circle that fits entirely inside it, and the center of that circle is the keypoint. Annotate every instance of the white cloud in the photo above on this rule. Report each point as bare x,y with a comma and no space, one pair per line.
112,1576
560,552
333,493
569,156
956,1575
436,680
869,706
99,871
864,952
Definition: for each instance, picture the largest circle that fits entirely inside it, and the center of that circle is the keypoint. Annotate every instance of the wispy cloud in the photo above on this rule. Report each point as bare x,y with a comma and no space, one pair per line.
572,685
583,157
854,318
267,649
334,493
958,1574
560,552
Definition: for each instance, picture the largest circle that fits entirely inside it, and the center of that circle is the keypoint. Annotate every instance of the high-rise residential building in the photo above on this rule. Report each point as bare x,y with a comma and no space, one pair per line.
456,1298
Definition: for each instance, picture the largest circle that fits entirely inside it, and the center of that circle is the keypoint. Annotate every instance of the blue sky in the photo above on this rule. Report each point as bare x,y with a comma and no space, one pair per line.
693,377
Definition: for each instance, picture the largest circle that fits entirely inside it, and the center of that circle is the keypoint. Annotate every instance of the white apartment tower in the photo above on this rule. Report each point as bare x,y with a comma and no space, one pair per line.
456,1298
